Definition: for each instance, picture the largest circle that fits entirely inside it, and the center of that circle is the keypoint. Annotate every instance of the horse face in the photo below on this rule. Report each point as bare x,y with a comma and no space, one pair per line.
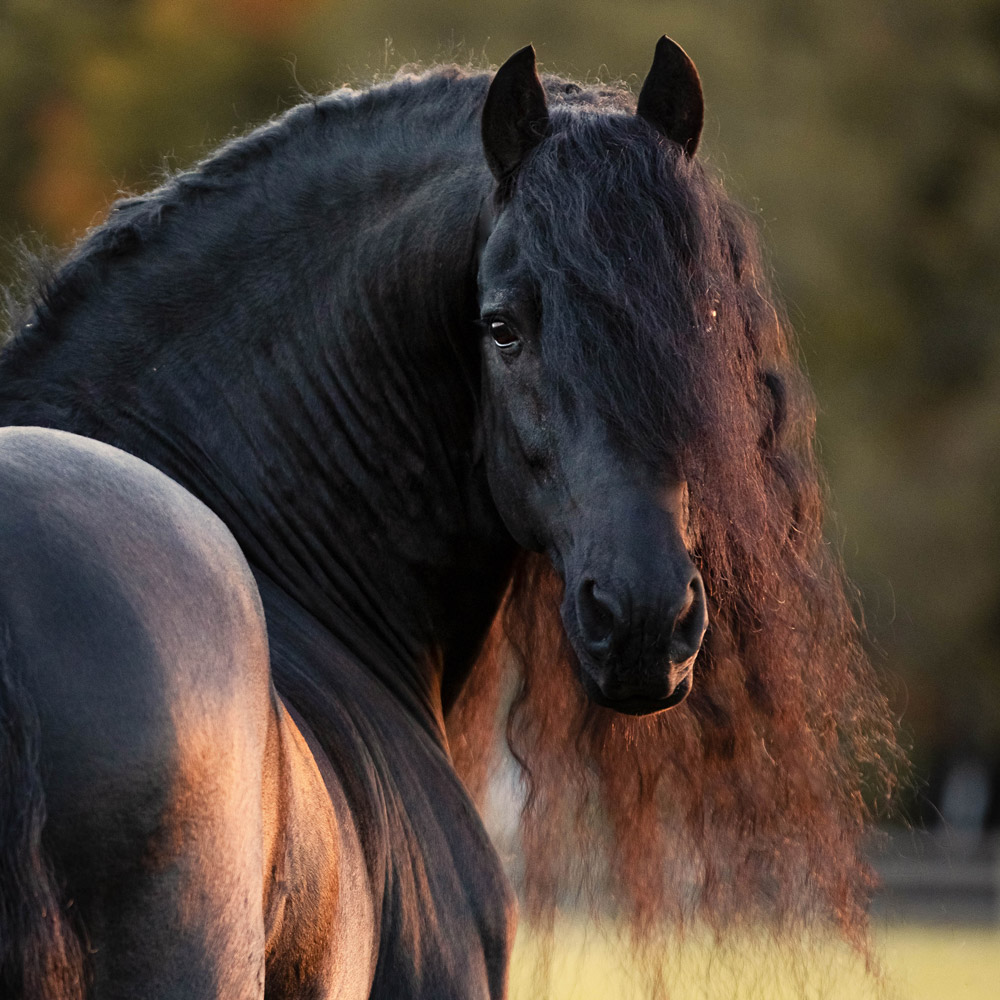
567,484
565,477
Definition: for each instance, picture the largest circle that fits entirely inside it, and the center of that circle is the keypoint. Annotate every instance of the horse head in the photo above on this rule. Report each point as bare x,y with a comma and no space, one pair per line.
583,346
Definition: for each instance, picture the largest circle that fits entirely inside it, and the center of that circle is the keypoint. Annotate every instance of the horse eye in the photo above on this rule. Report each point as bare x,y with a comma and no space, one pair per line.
504,337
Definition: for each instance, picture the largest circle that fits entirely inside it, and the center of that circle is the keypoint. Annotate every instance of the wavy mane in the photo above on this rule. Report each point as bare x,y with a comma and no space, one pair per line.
750,802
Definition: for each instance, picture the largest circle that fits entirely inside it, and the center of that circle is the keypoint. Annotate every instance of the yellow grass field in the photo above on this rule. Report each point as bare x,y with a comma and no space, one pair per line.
919,963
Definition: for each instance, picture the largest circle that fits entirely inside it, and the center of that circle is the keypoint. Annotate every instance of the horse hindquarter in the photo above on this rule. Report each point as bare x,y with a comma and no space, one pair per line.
137,636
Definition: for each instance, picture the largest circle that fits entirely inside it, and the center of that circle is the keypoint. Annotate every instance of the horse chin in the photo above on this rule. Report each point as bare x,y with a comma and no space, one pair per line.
632,700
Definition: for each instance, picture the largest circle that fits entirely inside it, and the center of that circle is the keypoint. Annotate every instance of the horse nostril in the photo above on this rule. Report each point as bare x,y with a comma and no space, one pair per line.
596,613
690,623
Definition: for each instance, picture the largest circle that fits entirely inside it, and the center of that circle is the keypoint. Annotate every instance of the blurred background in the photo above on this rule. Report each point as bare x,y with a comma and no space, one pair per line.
864,134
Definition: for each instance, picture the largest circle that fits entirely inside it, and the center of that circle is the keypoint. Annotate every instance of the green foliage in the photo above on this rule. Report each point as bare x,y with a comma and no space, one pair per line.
865,134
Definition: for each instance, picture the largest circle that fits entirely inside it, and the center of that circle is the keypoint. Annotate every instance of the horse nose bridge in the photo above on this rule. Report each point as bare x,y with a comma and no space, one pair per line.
640,587
655,565
669,608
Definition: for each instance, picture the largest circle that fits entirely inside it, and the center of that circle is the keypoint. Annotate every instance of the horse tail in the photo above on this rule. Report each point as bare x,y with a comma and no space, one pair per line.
41,957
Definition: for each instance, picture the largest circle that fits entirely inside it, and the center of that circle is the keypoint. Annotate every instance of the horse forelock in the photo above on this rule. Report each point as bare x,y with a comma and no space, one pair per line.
626,242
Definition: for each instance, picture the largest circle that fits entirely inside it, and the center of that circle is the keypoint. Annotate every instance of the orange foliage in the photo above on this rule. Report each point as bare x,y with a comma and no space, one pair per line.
68,191
264,18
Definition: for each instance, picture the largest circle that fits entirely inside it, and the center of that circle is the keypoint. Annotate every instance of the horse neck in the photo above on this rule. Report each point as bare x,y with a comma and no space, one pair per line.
315,384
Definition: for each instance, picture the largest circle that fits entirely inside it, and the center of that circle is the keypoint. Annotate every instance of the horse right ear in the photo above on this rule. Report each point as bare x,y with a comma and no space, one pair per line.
671,99
515,116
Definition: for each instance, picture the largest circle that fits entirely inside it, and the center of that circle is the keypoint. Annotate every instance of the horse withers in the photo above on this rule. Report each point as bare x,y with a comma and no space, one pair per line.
293,440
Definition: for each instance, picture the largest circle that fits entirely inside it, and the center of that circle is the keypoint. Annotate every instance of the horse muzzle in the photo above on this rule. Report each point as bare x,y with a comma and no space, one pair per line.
637,657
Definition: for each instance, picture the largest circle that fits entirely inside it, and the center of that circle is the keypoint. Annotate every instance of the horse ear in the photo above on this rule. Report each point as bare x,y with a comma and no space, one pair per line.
515,116
671,99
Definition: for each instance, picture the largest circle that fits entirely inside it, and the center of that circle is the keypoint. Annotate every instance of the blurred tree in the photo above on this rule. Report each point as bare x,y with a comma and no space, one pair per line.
97,92
866,134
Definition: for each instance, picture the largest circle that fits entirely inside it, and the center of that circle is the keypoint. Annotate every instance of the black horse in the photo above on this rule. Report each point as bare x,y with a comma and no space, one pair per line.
275,436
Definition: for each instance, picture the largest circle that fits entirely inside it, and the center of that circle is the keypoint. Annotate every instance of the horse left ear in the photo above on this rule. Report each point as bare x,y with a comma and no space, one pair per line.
671,99
515,116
